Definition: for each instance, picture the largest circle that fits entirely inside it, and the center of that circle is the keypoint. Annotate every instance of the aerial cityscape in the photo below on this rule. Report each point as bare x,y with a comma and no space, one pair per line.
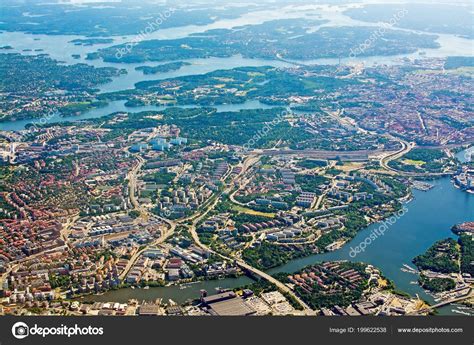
306,158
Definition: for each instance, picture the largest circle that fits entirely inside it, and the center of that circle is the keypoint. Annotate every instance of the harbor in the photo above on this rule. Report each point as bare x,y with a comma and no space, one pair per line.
426,221
423,186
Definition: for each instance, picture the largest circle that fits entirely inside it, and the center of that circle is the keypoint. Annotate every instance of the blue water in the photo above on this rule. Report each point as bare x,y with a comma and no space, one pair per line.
177,293
429,218
430,215
116,106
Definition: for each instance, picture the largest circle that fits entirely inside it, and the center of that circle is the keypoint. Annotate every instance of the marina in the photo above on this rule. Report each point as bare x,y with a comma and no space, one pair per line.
159,199
427,220
423,186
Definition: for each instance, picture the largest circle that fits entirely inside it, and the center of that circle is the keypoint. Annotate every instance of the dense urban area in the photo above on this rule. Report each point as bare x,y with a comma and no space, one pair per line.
221,177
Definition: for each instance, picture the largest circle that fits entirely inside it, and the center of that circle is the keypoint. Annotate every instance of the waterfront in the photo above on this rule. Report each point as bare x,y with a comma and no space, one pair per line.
430,214
119,106
59,47
178,293
429,218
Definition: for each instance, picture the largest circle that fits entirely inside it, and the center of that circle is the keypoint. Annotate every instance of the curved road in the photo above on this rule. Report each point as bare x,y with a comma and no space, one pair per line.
242,264
132,180
406,147
161,239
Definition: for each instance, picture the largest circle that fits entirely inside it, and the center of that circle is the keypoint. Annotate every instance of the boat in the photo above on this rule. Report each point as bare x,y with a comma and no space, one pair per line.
409,268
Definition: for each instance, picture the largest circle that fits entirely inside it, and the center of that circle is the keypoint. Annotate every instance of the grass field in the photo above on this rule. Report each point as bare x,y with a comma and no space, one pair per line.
246,210
413,162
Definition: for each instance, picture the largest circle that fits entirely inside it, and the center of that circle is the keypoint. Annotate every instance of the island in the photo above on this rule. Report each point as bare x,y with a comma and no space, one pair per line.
168,67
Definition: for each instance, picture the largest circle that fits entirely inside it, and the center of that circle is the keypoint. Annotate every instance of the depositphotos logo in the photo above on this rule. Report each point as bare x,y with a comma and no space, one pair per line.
21,330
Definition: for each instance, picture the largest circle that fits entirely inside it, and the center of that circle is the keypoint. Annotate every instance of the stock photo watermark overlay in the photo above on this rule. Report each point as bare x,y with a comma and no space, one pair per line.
43,120
166,213
377,232
469,154
377,34
21,330
151,27
263,132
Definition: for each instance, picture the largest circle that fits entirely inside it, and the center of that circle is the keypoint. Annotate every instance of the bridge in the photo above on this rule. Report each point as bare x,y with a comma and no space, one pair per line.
443,303
242,264
405,148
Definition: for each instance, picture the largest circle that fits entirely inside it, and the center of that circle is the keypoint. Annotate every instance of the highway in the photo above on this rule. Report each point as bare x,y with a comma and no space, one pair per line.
132,184
245,180
242,264
132,180
144,215
246,267
164,236
231,189
406,147
323,195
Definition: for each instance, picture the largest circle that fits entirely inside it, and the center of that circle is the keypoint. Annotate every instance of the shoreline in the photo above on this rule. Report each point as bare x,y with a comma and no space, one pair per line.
409,197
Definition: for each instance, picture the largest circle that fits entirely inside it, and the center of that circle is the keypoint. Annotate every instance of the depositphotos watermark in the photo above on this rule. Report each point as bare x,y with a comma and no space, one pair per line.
45,119
166,213
378,232
469,154
142,35
21,330
263,132
377,34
